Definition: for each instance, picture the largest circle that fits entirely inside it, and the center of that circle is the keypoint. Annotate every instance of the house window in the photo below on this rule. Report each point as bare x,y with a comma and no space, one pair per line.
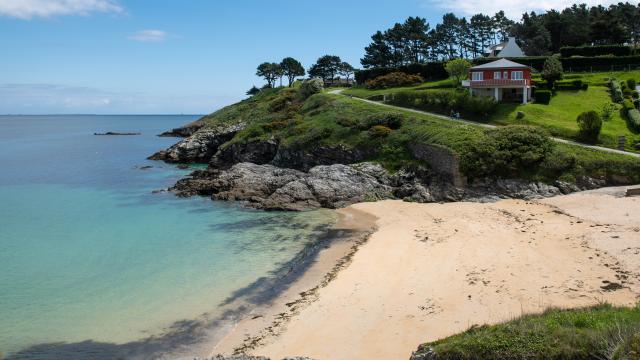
477,76
517,75
505,75
497,75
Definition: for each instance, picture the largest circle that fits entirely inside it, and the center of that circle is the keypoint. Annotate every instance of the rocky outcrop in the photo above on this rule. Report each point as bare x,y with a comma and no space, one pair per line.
305,159
333,186
274,188
199,147
184,131
257,152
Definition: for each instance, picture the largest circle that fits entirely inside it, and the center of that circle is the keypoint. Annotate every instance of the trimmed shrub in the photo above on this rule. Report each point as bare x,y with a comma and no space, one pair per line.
607,111
628,105
616,90
631,83
585,86
575,63
391,120
520,115
310,87
589,123
394,79
569,85
444,102
543,97
380,131
506,151
633,116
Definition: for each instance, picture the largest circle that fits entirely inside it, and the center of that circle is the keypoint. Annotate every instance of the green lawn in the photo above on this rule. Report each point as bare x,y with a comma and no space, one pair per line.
600,332
559,117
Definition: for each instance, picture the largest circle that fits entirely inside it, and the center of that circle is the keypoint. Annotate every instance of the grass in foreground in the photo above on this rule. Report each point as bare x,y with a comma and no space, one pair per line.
600,332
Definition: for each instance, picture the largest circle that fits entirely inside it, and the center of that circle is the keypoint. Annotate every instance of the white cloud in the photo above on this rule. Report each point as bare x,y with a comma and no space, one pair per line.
149,36
28,9
513,9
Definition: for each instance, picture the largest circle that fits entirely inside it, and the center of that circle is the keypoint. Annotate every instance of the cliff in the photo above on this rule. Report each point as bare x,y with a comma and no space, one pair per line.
282,150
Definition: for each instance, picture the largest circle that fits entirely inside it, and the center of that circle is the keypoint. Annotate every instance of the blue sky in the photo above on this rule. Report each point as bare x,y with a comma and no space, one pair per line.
189,56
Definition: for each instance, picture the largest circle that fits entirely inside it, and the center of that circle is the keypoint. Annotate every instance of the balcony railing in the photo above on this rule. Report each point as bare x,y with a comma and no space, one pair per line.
497,82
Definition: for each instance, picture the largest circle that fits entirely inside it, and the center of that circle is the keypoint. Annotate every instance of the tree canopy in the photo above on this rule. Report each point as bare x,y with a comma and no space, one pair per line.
270,72
416,41
326,68
291,68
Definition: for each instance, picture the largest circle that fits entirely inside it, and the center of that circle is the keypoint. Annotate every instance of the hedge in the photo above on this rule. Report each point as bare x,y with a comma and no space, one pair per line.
569,85
543,97
616,50
634,118
394,79
444,102
616,90
575,64
430,71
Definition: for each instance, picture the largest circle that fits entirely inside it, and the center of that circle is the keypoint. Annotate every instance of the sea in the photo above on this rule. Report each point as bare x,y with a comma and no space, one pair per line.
96,263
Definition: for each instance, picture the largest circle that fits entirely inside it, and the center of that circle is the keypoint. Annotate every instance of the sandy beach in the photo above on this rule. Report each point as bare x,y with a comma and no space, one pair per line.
432,270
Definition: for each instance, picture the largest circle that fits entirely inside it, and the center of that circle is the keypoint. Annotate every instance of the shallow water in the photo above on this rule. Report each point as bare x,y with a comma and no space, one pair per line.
87,252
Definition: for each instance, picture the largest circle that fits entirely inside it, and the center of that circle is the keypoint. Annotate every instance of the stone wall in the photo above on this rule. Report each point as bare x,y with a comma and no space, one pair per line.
442,160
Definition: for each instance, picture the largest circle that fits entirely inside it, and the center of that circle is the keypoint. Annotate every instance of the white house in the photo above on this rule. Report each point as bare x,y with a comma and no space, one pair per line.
508,48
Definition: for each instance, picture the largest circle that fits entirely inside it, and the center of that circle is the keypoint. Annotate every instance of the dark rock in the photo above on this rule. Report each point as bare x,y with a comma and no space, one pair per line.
145,167
257,152
199,147
111,133
565,187
589,183
183,166
305,159
184,131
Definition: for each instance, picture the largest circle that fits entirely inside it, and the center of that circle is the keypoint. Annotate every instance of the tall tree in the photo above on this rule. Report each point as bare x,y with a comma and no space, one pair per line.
346,70
482,32
535,38
501,26
378,53
291,68
270,72
415,34
326,68
552,70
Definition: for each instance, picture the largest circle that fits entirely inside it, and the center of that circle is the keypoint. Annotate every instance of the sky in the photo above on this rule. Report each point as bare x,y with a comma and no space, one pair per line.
186,56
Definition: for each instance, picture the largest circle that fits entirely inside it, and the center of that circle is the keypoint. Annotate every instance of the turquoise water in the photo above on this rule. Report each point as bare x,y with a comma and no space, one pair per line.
88,252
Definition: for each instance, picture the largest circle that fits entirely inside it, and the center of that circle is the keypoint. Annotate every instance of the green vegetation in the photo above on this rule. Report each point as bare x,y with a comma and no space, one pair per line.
392,80
552,71
458,69
323,119
599,332
590,124
446,102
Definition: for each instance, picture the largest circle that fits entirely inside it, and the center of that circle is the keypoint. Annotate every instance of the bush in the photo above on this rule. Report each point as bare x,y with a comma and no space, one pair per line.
631,83
633,116
543,97
520,115
394,79
391,120
310,87
429,71
569,85
616,50
616,90
380,131
607,111
589,123
628,105
444,102
506,151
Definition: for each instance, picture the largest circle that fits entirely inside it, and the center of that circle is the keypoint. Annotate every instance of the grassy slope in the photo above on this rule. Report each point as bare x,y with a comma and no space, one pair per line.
601,332
559,117
326,119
